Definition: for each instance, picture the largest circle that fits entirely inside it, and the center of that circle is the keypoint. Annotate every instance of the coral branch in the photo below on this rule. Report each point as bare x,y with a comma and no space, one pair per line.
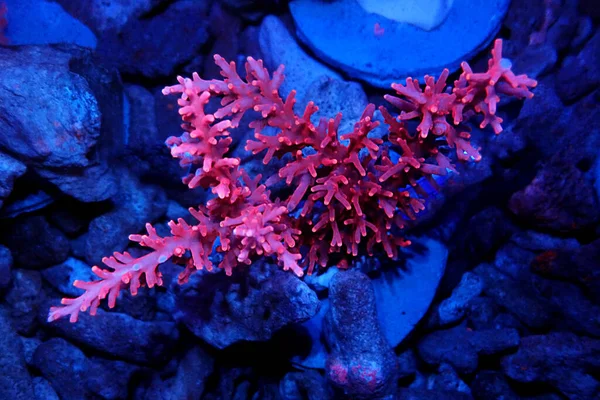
348,191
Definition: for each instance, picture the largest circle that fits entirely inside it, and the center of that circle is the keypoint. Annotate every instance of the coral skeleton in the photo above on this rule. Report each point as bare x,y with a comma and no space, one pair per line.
348,193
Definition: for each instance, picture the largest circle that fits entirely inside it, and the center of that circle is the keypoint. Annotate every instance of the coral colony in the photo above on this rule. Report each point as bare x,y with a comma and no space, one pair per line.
347,193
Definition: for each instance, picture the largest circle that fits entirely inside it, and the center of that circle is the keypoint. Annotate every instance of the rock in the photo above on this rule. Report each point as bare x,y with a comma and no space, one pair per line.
580,74
15,381
134,50
232,384
446,379
514,261
23,299
279,47
244,307
29,347
60,122
407,364
189,380
57,130
145,148
562,360
307,384
320,280
536,61
484,233
118,335
225,28
346,36
64,366
34,243
6,262
492,385
524,17
62,276
10,169
361,363
333,96
109,379
578,313
539,241
94,183
43,389
310,334
52,25
108,16
461,346
453,308
559,198
134,206
515,296
404,294
426,394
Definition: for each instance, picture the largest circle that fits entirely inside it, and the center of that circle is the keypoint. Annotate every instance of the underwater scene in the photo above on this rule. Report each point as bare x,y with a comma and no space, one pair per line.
299,199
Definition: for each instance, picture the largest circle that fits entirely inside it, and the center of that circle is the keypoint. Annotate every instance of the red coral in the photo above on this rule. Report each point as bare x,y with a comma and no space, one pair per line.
347,192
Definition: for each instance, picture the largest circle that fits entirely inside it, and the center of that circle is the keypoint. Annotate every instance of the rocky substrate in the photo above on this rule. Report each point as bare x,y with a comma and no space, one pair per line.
499,297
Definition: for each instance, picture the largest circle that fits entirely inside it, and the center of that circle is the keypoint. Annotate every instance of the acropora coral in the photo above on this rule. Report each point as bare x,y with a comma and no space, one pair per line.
348,192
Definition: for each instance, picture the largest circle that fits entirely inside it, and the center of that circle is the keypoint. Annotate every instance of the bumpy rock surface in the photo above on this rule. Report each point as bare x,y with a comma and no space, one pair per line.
361,364
562,360
15,381
461,346
244,307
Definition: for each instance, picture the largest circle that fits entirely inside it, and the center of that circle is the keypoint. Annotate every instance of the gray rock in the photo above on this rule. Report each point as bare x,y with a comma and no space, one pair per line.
578,313
108,16
43,389
343,34
34,243
118,335
244,307
109,379
64,366
189,380
29,347
57,130
514,296
407,364
134,50
6,262
10,169
580,74
333,96
427,394
492,385
361,364
60,122
453,308
134,206
405,294
446,379
307,384
559,198
62,276
563,360
461,346
52,24
23,300
279,47
15,381
316,354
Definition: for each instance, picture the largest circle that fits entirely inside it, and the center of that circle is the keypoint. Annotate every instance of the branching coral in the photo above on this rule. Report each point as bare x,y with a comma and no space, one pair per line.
349,191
